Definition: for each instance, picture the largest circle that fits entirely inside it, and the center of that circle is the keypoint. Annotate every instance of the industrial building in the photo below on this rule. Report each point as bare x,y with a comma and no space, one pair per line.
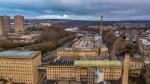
86,62
20,66
136,63
144,49
144,46
78,53
83,71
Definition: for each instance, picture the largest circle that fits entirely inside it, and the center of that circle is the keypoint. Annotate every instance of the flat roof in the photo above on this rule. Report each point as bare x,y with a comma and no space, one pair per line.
77,49
147,58
146,41
136,59
92,63
19,54
61,62
99,40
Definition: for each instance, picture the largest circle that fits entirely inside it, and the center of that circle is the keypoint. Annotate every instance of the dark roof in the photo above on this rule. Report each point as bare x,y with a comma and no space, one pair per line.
62,62
136,59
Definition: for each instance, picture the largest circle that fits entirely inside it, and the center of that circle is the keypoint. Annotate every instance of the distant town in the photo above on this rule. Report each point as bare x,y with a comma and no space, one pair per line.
59,51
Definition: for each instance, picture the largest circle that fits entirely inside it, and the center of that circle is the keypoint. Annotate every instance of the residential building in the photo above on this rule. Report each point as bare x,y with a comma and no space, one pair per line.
24,38
1,26
6,24
19,24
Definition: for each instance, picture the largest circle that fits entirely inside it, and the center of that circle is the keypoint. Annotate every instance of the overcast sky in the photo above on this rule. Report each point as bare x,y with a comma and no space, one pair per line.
78,9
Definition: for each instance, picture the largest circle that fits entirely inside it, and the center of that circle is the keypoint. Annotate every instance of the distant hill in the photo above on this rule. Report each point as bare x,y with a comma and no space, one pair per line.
70,23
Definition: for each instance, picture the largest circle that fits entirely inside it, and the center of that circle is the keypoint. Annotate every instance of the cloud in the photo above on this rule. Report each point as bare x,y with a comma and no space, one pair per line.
76,17
53,16
77,9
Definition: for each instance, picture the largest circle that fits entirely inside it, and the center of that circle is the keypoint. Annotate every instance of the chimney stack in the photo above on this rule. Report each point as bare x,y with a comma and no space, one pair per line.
101,26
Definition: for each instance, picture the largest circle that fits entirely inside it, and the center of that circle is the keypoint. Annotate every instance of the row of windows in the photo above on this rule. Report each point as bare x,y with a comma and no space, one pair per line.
111,69
112,72
17,60
61,68
89,78
50,76
76,53
62,71
14,64
15,67
146,54
15,70
23,81
21,78
136,65
61,78
61,74
73,73
15,74
110,75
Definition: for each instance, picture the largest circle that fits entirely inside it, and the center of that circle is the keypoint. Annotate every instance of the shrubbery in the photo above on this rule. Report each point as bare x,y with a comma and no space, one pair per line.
50,39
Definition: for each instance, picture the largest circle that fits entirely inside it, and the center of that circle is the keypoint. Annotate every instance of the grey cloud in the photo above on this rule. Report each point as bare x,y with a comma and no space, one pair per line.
112,9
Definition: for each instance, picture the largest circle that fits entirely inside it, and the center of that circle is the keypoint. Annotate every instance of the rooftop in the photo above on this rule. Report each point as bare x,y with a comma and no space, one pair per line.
85,63
136,59
146,41
81,49
19,54
147,58
62,62
96,63
99,40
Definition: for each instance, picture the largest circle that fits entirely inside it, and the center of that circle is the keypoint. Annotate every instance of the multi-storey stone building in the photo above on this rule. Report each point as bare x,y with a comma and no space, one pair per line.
78,53
144,46
83,71
20,66
144,49
136,63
